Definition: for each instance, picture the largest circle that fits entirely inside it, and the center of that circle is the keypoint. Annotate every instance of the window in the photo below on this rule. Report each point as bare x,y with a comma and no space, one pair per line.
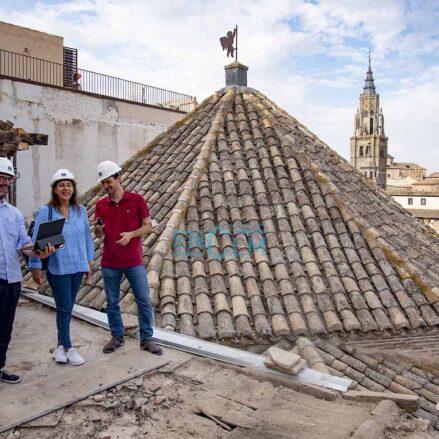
423,201
371,125
370,174
361,151
410,201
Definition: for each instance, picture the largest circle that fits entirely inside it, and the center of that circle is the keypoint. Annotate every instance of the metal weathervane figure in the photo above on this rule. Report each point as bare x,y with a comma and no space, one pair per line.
227,43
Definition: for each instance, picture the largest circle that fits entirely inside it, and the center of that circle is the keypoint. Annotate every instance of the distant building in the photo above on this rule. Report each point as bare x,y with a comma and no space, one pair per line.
401,171
408,185
369,143
422,205
428,184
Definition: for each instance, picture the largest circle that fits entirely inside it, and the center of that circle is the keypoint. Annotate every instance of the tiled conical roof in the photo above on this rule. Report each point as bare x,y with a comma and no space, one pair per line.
265,231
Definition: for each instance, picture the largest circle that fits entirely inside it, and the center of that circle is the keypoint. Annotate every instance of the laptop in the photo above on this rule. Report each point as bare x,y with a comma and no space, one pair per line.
50,232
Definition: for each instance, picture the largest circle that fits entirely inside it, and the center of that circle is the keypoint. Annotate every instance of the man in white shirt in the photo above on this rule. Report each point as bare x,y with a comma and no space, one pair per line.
13,238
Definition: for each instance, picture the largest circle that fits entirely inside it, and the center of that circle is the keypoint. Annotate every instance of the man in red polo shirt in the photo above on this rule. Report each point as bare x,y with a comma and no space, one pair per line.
123,218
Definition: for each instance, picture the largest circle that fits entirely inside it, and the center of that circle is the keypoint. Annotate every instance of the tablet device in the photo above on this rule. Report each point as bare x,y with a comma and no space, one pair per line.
50,232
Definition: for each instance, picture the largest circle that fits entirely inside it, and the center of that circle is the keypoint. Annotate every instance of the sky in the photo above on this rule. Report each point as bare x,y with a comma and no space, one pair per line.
310,57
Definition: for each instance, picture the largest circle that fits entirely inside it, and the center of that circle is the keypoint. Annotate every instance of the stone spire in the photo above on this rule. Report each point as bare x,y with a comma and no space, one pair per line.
369,86
369,143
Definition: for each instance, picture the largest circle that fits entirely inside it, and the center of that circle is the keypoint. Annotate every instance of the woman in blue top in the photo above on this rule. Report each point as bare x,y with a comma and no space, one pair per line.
69,264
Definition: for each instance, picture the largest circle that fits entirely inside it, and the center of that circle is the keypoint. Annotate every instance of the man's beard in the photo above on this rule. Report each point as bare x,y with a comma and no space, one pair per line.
3,194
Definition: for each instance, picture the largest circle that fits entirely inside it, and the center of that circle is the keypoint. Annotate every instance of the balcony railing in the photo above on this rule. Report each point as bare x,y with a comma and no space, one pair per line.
17,66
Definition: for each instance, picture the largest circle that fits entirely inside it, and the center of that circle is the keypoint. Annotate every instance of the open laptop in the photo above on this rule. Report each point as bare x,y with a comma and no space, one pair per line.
50,232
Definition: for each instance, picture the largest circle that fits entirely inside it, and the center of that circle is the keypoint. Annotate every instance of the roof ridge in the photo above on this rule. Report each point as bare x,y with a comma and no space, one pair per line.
178,212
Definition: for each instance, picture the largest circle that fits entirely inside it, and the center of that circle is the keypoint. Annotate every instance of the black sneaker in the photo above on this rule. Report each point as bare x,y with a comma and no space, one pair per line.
113,344
150,346
9,377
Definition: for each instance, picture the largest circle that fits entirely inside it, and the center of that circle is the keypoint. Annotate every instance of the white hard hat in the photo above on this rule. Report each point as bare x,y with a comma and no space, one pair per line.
62,174
107,169
6,167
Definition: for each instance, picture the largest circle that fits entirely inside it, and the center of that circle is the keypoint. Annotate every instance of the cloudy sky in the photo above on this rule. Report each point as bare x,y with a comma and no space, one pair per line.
308,56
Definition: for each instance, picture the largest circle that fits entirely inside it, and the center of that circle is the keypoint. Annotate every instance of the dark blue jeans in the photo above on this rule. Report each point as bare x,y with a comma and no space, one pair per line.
9,295
65,288
139,284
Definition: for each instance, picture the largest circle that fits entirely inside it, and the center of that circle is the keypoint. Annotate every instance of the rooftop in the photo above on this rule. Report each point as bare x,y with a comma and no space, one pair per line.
264,231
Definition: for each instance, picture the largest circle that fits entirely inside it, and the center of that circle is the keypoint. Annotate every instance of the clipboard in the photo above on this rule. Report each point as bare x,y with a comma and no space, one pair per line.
50,232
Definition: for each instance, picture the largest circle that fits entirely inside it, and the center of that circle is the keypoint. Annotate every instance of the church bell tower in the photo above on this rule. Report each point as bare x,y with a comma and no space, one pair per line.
369,143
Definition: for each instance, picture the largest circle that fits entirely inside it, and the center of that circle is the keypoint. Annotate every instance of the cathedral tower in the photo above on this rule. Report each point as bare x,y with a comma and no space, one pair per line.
369,143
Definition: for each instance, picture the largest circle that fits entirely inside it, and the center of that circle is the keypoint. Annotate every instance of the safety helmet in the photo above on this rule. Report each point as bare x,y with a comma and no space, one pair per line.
6,167
62,174
106,169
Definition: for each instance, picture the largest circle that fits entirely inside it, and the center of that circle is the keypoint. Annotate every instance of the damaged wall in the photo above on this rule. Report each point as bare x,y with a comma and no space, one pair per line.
83,130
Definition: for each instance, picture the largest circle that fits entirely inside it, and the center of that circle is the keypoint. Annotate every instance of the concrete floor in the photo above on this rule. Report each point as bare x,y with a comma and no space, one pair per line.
47,385
176,396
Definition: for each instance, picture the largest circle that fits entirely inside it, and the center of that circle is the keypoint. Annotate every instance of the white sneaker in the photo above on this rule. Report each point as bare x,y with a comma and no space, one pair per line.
60,355
74,358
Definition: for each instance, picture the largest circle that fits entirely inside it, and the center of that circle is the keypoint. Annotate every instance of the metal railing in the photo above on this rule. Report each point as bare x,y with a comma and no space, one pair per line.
15,65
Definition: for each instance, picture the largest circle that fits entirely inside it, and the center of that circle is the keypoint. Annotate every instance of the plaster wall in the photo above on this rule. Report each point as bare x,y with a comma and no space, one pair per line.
431,202
83,130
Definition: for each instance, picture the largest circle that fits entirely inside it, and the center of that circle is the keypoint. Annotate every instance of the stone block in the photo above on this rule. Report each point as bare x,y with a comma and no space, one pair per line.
284,359
293,371
407,402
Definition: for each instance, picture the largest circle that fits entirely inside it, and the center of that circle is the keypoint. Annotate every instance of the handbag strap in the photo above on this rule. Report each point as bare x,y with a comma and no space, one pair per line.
50,213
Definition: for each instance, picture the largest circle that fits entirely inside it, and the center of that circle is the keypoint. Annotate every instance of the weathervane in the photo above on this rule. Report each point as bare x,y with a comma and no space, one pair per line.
227,43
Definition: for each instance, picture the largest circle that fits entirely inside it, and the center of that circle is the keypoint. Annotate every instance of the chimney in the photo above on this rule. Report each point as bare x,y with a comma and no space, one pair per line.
236,74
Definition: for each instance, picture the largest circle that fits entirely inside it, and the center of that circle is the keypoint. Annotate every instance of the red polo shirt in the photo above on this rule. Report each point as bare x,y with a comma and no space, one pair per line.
125,216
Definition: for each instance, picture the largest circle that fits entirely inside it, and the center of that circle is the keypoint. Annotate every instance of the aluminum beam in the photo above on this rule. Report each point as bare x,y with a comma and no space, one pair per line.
208,349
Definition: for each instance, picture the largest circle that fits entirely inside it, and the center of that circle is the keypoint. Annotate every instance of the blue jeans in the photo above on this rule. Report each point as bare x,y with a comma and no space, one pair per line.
137,279
65,288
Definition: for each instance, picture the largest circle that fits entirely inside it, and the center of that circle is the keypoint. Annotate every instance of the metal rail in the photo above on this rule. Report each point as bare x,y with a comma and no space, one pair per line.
208,349
27,68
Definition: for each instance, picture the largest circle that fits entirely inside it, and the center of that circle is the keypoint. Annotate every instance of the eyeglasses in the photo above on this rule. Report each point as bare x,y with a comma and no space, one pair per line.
6,179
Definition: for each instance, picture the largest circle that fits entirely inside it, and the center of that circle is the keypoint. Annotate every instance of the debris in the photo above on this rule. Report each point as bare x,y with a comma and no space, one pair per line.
237,399
215,419
407,402
50,420
138,402
132,387
309,389
130,404
386,409
284,359
423,424
293,371
95,417
371,429
115,405
159,400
